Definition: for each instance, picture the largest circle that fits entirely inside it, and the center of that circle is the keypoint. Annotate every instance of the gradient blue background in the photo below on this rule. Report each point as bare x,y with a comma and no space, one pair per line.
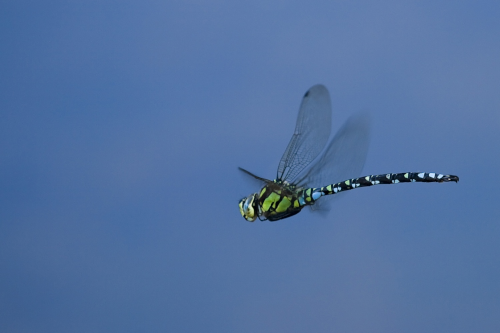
122,127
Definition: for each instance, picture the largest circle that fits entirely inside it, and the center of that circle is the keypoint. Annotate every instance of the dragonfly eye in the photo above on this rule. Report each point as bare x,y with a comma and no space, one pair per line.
247,208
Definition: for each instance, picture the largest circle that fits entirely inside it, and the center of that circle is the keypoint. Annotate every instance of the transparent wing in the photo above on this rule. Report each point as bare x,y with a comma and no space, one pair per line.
343,158
311,133
260,179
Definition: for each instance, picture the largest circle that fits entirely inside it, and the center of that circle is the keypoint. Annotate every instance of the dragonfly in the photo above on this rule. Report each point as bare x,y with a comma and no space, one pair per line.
309,163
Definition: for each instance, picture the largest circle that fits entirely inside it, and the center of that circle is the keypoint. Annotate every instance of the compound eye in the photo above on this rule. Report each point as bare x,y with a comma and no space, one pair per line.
242,211
249,209
249,204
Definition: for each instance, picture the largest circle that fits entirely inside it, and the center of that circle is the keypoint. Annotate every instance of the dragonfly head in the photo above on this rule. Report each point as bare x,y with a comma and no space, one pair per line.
248,207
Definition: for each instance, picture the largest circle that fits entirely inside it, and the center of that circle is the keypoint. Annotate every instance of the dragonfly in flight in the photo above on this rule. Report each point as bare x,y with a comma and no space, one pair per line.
306,163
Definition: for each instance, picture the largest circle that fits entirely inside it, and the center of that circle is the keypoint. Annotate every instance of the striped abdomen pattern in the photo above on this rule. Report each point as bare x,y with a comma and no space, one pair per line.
309,195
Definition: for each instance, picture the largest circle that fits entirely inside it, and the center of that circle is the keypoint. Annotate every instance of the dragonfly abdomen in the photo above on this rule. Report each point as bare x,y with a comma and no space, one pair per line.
312,194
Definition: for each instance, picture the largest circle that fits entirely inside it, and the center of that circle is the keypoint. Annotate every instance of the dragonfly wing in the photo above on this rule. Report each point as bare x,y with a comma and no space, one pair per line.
254,176
312,131
343,158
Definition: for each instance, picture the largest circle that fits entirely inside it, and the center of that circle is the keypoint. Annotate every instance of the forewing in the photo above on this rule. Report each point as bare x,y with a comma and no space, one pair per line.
343,158
311,133
260,179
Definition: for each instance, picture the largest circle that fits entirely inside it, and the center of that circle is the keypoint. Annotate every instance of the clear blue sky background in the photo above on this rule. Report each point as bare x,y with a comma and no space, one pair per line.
122,127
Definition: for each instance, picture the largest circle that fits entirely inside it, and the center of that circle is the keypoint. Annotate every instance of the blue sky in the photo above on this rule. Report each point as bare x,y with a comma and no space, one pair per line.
123,124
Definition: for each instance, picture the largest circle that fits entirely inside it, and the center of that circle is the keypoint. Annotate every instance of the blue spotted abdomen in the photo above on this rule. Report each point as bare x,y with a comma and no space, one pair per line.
308,196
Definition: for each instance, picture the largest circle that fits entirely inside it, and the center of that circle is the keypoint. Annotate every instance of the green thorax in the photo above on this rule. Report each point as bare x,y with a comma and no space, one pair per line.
277,201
